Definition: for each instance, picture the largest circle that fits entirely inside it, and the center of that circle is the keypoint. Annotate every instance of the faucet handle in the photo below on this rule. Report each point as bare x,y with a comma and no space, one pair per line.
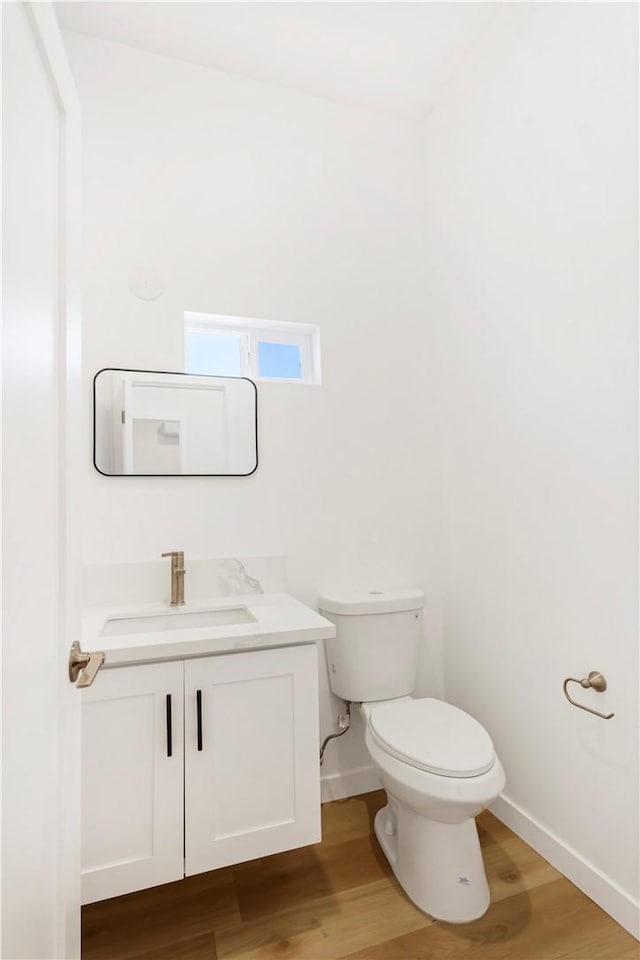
177,576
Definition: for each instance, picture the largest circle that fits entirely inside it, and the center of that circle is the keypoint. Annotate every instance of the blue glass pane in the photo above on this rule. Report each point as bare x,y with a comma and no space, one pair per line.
279,360
214,354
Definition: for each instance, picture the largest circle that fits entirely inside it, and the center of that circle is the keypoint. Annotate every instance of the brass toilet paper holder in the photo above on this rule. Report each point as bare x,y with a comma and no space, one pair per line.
596,681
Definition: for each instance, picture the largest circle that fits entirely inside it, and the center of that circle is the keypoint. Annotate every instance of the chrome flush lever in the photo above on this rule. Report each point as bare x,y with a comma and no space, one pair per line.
83,667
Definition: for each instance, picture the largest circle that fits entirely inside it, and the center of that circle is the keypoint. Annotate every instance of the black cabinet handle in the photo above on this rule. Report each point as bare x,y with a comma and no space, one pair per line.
199,715
169,728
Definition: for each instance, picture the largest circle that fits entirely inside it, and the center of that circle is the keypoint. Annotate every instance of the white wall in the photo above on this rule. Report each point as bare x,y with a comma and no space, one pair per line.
500,240
531,173
253,201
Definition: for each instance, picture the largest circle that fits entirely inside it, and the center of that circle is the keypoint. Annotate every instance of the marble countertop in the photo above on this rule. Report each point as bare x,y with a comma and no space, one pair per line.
279,620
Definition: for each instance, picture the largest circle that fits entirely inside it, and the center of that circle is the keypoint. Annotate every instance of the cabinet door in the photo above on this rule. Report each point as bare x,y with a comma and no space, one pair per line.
252,775
132,780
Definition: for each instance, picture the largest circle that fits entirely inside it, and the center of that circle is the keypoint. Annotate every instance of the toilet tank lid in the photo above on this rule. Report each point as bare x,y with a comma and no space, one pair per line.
372,601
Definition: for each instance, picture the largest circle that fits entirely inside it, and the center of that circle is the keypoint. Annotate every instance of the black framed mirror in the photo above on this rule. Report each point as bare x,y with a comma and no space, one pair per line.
151,423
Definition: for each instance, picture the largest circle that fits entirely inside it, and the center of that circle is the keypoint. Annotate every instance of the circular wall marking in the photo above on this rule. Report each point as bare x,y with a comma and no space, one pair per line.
146,283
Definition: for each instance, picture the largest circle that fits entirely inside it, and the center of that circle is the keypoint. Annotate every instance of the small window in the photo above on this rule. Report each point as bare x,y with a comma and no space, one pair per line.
259,349
280,361
220,350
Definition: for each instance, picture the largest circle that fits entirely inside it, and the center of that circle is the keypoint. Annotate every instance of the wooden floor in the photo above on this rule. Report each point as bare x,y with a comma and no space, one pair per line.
340,899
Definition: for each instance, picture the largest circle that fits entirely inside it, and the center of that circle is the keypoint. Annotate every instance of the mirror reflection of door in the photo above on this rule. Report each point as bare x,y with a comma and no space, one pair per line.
169,424
175,426
156,446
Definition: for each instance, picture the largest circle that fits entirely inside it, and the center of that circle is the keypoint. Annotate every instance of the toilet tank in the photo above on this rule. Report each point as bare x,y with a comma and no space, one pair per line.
374,655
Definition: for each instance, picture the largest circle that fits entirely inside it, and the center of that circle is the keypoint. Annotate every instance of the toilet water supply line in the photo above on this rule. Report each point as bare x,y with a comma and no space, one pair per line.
344,722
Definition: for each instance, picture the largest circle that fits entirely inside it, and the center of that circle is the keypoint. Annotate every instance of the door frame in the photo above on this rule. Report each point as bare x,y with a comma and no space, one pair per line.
65,900
54,57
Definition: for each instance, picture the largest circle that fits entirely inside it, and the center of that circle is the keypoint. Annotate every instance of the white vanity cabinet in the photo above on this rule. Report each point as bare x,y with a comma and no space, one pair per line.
132,779
242,781
252,778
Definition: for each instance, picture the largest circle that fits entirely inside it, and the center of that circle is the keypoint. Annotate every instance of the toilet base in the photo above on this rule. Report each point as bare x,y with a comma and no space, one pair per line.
438,865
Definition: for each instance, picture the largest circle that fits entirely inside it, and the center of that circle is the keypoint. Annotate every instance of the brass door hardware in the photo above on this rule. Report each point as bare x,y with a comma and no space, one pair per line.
83,666
596,682
177,577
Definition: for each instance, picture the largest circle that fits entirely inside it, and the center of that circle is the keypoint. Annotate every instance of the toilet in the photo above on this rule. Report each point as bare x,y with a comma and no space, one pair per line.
437,764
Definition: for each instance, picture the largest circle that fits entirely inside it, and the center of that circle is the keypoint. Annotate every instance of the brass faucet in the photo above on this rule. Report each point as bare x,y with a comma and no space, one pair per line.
177,577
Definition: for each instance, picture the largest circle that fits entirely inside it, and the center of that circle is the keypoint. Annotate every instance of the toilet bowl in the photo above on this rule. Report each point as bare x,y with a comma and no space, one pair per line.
436,763
437,782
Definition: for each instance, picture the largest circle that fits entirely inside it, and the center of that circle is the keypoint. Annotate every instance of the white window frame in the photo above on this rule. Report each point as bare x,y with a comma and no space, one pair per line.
306,336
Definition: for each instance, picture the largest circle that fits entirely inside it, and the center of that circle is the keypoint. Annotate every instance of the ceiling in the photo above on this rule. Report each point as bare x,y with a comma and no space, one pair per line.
390,57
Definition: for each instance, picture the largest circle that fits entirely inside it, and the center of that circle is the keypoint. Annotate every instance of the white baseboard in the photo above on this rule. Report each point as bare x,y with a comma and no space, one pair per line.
600,888
350,783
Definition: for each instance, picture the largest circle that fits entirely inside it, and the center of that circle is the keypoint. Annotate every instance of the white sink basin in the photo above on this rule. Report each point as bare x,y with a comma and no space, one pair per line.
156,632
178,620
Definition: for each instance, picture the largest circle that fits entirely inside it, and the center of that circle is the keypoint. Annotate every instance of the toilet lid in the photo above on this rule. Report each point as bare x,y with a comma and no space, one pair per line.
433,736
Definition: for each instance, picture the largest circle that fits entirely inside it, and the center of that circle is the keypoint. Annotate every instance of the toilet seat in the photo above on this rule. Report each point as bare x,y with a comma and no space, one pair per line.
432,736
